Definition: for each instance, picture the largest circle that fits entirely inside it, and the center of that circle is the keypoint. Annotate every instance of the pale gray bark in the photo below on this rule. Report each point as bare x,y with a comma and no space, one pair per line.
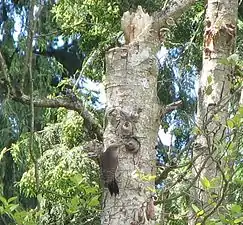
131,90
213,104
132,115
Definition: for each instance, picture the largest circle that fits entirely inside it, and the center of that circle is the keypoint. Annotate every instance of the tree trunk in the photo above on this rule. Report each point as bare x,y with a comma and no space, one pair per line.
132,122
241,97
212,111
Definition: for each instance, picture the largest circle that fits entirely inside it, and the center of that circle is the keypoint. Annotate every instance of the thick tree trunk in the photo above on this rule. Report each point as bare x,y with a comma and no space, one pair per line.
214,92
132,122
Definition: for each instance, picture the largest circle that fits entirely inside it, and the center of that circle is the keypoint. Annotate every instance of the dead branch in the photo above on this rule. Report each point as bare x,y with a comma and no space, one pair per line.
172,10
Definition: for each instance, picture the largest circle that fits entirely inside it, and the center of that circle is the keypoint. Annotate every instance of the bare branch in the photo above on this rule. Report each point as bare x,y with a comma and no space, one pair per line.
173,9
28,49
93,56
225,188
78,106
173,106
85,66
170,107
31,31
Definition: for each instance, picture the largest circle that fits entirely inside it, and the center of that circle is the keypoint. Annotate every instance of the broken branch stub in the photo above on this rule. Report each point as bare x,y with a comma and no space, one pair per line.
135,25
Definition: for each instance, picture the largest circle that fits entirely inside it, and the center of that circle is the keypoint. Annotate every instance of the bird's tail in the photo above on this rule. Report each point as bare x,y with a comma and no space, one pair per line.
113,187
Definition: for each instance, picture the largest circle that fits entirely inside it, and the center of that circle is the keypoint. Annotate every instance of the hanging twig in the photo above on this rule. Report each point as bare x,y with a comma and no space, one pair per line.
31,32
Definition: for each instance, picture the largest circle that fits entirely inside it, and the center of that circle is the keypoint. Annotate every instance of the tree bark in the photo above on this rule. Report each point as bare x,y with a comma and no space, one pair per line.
132,121
213,105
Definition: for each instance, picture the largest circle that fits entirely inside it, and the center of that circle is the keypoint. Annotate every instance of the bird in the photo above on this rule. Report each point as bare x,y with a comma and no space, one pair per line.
109,164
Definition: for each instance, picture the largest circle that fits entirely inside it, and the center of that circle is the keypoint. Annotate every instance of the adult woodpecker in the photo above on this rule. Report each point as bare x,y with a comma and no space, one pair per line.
109,163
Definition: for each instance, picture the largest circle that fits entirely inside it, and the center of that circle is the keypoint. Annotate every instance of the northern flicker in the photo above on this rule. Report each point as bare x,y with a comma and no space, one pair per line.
109,163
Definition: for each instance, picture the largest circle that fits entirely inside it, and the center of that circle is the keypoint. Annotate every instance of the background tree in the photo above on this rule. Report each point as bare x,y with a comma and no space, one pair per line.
213,136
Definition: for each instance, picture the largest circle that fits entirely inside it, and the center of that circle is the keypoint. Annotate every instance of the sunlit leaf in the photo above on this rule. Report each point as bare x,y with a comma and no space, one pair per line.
230,123
200,213
12,199
238,220
205,182
235,208
94,201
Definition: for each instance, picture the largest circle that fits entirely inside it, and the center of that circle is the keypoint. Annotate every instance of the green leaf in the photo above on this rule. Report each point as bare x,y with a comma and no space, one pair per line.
77,179
94,201
12,199
209,90
90,190
235,208
241,110
3,200
233,59
200,213
196,130
73,205
205,182
75,201
150,177
230,123
238,220
19,217
14,207
1,210
210,79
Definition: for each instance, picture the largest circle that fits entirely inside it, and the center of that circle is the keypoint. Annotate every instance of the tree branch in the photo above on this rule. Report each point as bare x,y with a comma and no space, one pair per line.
173,9
77,105
31,32
29,42
170,107
190,184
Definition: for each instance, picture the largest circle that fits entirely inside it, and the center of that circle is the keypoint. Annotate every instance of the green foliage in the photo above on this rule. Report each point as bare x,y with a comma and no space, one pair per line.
96,20
7,206
68,180
15,212
72,132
